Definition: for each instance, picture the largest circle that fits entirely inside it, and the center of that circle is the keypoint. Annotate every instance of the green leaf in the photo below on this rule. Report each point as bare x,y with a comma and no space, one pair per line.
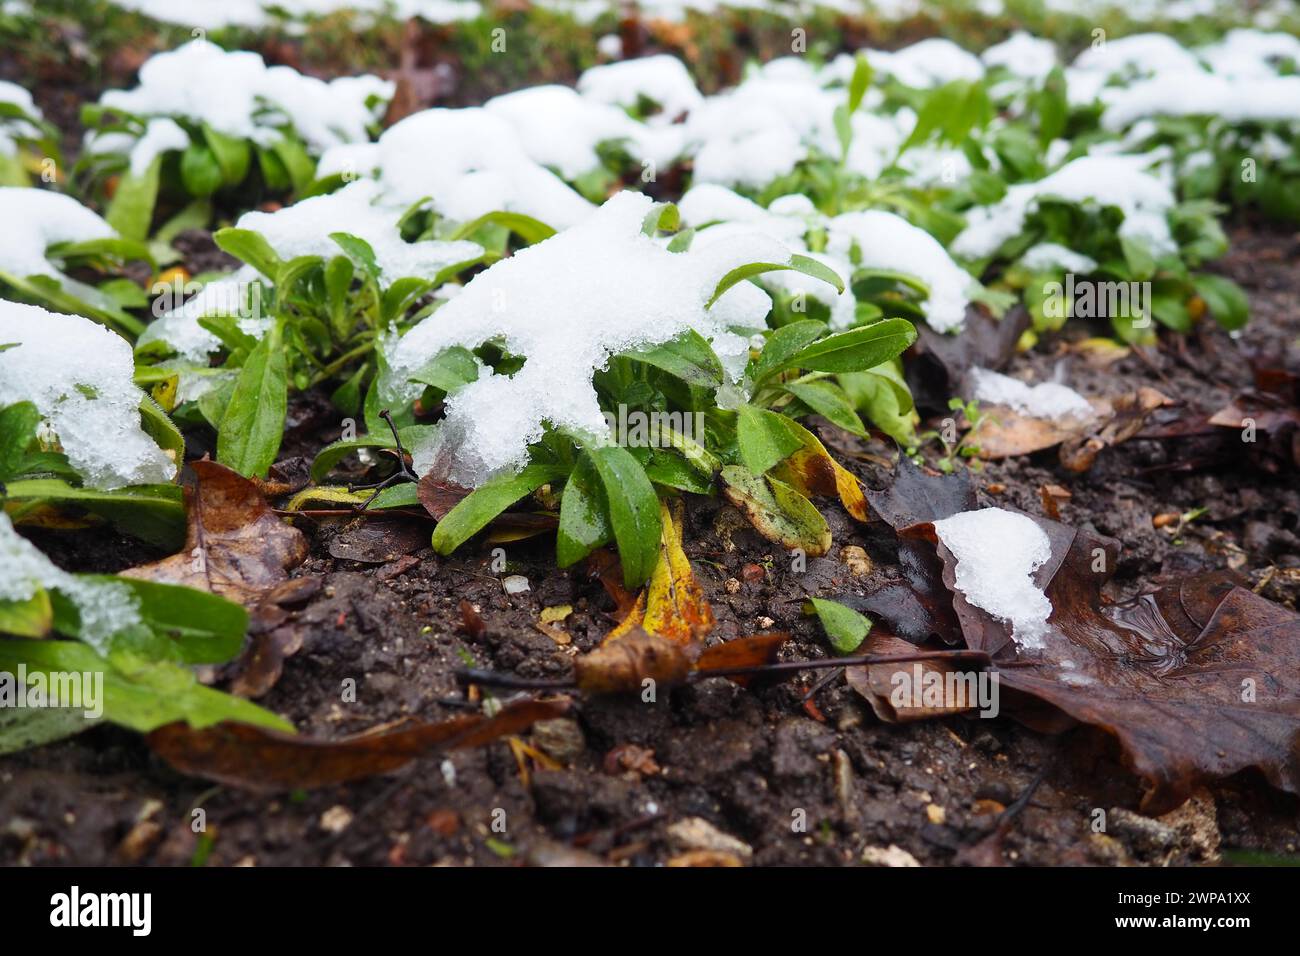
526,227
764,438
32,617
1225,299
232,154
864,347
797,263
860,81
28,727
783,344
138,694
663,216
18,423
449,370
360,251
131,210
253,424
829,401
777,512
472,514
250,247
335,452
845,627
295,160
161,429
152,513
584,515
689,357
203,627
200,171
1138,257
1053,108
633,511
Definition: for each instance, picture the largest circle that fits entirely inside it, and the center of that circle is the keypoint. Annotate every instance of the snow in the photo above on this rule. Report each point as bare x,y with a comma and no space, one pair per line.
229,296
35,219
1023,55
566,304
997,552
560,129
237,94
304,229
1047,400
105,607
1232,100
470,161
161,136
1110,180
929,63
663,79
211,15
1046,256
886,241
1141,53
78,374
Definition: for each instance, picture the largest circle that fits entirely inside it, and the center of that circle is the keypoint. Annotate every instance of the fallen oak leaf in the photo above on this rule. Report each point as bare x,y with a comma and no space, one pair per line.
235,544
258,758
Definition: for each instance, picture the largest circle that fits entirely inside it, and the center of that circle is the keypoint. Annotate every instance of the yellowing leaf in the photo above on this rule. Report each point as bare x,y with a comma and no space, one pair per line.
673,604
812,471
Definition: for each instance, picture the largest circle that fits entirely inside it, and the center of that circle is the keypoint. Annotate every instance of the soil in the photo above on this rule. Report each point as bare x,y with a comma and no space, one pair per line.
754,763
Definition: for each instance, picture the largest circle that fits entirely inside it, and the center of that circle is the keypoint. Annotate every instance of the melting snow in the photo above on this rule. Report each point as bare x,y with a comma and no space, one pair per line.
79,375
997,552
1047,400
105,607
35,219
566,304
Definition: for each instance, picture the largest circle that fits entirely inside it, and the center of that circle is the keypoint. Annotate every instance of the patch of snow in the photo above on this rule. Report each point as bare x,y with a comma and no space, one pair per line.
561,129
237,94
1023,55
886,241
1051,255
997,553
1047,400
34,220
1116,180
663,79
469,161
161,136
105,607
78,374
304,229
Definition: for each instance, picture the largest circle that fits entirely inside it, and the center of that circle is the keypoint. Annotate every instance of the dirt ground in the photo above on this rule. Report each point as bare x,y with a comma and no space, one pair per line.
777,781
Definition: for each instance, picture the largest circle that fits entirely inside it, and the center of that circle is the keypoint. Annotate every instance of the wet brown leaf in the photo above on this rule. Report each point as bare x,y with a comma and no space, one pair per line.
235,545
257,758
379,540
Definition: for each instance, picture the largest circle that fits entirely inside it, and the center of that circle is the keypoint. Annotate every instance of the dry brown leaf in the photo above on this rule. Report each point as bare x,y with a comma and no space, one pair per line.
235,545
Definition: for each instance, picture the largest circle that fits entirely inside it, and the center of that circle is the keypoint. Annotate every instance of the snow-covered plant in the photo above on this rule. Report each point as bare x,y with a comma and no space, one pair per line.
28,144
45,236
76,433
326,280
131,642
205,122
624,365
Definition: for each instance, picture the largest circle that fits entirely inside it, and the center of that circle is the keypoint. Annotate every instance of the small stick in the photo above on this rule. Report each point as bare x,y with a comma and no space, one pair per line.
487,678
403,473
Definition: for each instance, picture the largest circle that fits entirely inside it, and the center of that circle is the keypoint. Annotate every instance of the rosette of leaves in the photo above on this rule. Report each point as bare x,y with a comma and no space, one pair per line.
323,318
